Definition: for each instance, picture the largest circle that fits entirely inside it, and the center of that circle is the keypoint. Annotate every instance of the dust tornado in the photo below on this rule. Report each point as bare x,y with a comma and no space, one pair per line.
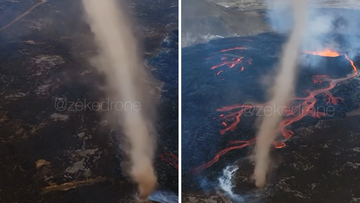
282,93
119,59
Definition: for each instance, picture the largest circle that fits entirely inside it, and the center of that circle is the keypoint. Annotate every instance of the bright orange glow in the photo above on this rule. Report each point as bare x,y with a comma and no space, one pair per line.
231,61
279,145
325,53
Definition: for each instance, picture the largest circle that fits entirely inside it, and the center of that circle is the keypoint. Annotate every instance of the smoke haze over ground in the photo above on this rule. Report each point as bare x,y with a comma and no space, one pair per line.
118,59
282,93
321,27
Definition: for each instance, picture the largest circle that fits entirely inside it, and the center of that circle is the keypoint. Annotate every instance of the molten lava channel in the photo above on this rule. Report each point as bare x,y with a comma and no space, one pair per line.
170,159
306,106
231,61
325,53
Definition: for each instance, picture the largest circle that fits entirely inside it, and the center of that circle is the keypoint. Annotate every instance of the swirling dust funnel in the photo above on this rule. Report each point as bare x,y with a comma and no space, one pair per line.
119,60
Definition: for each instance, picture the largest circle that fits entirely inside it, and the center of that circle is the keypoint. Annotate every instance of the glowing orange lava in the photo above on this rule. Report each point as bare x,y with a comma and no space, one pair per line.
235,48
325,53
232,61
306,108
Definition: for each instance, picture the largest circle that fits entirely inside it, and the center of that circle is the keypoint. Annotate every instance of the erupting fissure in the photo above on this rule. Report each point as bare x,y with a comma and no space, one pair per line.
306,107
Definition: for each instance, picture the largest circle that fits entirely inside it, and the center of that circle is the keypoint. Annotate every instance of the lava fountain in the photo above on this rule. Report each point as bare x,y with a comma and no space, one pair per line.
120,62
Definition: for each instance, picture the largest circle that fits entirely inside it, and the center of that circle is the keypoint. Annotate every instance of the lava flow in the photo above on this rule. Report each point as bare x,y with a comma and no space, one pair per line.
235,48
325,53
169,158
305,107
231,60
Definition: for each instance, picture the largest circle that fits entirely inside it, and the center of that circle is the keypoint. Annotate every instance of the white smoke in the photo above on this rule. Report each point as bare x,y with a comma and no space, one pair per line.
189,39
321,25
226,183
120,62
282,94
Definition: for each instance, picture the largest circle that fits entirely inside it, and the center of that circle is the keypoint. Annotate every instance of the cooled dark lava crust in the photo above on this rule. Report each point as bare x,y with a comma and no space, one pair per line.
44,56
317,160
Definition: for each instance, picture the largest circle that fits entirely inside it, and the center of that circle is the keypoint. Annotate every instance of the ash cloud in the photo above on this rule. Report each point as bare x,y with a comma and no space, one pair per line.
119,60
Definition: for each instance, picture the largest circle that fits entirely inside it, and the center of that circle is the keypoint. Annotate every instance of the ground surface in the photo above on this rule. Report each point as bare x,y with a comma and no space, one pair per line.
319,163
204,20
246,5
49,154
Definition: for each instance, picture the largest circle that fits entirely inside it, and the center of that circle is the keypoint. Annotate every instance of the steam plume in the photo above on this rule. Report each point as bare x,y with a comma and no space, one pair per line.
119,60
282,93
323,28
226,183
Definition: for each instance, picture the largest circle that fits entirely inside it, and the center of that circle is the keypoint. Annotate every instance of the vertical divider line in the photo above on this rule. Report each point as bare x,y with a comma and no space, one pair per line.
179,98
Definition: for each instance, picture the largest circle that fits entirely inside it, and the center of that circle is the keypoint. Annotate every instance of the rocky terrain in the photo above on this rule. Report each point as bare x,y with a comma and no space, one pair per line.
204,20
246,5
51,149
320,165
